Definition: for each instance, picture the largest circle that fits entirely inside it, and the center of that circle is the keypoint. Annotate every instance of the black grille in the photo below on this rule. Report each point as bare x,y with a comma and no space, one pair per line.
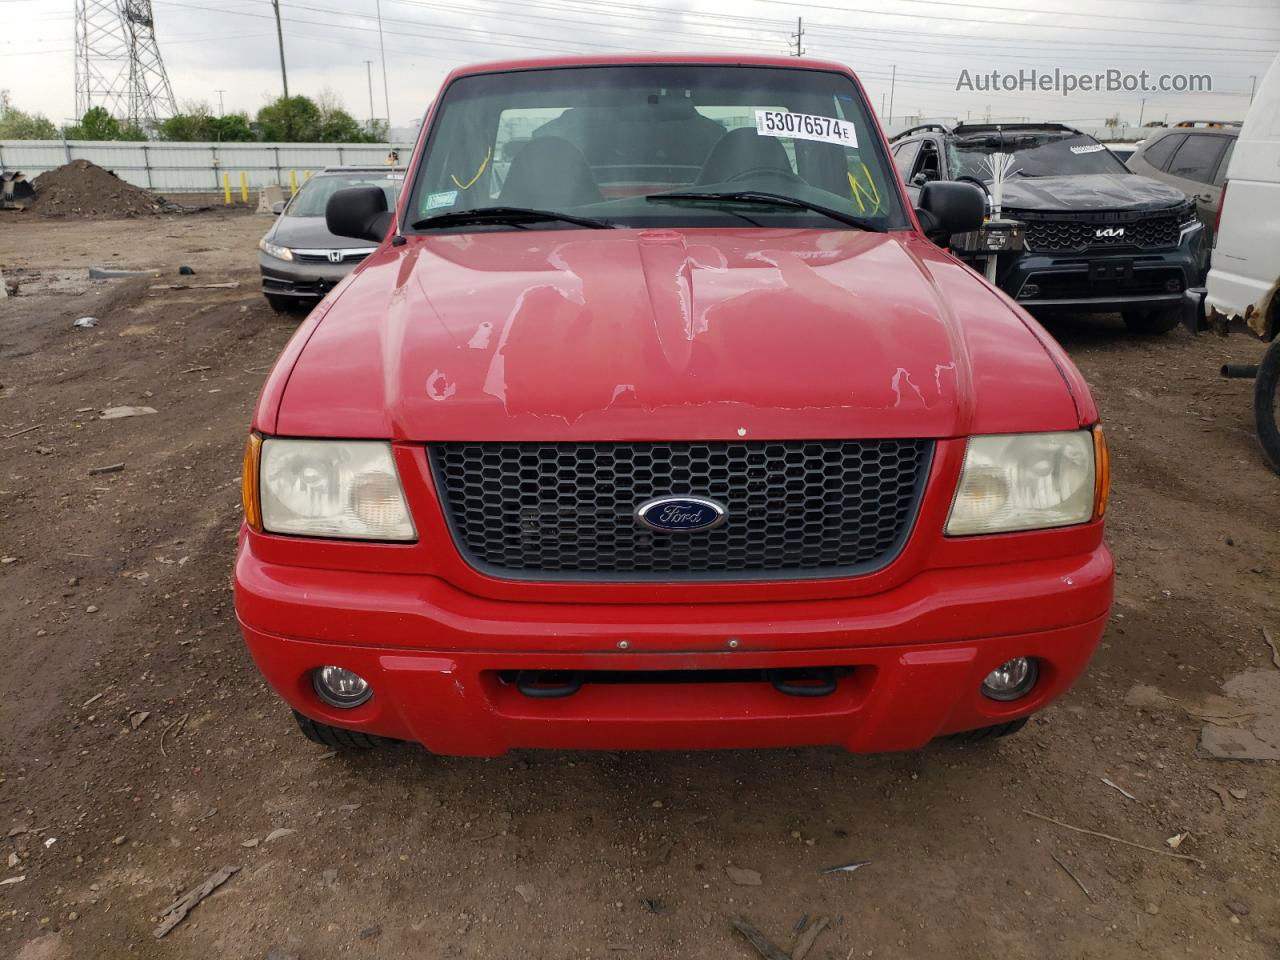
796,508
1149,233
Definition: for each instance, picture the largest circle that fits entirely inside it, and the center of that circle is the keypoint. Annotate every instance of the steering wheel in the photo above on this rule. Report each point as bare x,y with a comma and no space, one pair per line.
965,178
778,172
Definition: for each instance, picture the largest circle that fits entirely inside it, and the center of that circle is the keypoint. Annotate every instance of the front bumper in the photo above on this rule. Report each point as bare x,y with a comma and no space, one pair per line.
304,280
1098,281
437,657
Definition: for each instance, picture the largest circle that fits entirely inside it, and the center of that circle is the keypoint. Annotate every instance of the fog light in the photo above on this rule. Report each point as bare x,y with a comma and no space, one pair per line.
340,687
1173,286
1029,291
1012,679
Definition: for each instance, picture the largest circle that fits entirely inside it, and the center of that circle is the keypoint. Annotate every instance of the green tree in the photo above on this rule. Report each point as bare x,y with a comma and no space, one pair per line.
17,125
197,122
194,123
289,120
335,124
97,124
301,119
232,126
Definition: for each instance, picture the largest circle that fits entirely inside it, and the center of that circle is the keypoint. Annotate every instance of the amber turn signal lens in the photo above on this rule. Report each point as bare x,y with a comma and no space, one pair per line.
249,483
1101,473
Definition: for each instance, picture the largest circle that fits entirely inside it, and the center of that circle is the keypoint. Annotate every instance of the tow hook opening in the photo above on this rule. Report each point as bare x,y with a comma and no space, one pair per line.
549,684
792,681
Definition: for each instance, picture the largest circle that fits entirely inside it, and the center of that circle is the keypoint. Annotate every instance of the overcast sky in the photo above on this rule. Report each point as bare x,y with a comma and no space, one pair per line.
230,45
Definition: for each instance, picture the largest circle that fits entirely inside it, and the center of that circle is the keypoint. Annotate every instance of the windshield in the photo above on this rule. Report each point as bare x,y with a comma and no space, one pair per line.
1047,154
313,196
596,141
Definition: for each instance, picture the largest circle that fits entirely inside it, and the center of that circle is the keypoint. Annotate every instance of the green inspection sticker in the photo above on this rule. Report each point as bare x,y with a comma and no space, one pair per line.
437,200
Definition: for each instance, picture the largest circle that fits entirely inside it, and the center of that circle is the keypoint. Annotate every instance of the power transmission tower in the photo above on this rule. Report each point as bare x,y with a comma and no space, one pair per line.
118,64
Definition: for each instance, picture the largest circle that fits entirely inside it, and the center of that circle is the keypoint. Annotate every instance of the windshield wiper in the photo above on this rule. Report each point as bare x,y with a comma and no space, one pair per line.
516,216
774,199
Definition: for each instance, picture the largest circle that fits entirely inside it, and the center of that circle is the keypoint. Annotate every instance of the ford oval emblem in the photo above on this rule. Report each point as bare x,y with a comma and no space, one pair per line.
676,514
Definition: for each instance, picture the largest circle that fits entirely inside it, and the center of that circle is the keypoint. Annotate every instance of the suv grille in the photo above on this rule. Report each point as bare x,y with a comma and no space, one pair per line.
1066,234
796,508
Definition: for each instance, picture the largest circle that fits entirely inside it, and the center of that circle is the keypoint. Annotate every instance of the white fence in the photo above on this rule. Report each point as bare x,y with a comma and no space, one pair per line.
189,167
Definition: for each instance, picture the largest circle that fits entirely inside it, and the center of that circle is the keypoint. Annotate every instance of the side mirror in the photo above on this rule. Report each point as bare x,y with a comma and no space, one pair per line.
278,207
947,207
358,212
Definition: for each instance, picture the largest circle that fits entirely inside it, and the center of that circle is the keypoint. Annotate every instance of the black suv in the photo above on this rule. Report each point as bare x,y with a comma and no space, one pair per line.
1078,231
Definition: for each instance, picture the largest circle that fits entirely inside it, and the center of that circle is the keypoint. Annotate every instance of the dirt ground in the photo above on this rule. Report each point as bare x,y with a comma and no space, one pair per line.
140,752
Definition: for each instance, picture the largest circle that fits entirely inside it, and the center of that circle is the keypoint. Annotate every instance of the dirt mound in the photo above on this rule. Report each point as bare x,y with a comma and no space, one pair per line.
84,189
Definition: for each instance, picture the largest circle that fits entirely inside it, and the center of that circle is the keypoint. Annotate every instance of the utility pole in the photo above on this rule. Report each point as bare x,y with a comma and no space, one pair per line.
1141,111
220,107
893,81
368,69
284,75
1253,86
798,37
386,91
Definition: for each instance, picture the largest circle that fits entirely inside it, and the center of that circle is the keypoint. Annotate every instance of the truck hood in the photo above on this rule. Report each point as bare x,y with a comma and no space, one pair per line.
1089,192
665,334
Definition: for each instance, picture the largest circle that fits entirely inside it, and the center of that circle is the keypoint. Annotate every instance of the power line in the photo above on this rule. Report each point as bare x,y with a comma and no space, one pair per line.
990,20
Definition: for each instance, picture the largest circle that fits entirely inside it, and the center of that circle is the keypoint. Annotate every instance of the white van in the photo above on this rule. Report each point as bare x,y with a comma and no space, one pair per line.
1244,275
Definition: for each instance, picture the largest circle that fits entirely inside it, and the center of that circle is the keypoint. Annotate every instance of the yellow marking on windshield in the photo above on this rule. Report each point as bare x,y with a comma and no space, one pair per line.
871,191
470,183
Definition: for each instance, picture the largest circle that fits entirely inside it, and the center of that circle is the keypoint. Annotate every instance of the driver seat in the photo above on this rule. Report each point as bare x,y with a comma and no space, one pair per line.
550,173
739,151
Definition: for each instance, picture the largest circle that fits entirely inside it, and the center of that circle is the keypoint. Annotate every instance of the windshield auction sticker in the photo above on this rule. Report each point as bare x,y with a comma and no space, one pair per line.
805,126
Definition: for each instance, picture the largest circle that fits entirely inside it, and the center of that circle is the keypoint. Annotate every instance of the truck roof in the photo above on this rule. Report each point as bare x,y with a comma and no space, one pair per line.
544,63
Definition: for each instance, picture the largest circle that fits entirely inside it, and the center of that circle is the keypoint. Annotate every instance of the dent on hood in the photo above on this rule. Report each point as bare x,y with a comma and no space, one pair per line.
612,321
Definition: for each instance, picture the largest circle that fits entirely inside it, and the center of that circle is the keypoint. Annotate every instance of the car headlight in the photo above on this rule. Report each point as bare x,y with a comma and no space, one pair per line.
1030,481
275,250
332,488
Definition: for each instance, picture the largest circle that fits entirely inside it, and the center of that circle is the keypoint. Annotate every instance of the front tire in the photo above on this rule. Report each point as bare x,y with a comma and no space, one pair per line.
336,737
282,304
1154,322
1264,405
984,734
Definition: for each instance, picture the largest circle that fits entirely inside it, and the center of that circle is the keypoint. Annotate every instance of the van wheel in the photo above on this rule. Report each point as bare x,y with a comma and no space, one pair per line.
991,733
1264,405
336,737
1146,323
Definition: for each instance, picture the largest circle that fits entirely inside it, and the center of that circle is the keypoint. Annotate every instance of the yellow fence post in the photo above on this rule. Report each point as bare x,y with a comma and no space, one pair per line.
226,188
306,176
244,188
293,181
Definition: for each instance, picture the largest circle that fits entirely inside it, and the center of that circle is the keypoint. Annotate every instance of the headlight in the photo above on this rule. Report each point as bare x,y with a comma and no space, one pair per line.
331,488
275,250
1028,481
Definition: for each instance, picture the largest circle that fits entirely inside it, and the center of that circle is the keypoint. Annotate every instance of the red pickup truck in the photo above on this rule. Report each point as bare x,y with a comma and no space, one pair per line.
660,419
